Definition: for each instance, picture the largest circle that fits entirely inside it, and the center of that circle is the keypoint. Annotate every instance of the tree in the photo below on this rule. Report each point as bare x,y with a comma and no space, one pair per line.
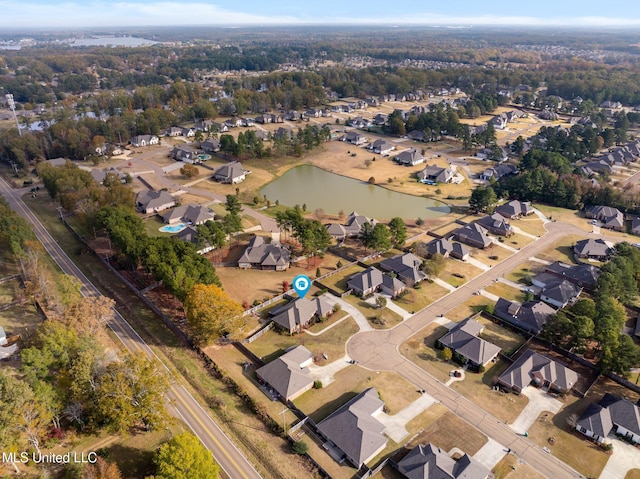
101,469
446,354
211,314
434,266
189,170
379,239
483,199
381,301
130,392
300,447
398,231
184,457
14,393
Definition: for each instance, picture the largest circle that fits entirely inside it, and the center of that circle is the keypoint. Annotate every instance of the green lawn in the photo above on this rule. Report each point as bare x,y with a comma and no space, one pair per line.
339,280
420,296
505,291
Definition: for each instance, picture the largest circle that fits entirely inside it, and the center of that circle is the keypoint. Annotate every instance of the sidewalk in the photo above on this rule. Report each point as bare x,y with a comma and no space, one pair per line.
395,425
390,305
477,264
444,284
513,284
523,233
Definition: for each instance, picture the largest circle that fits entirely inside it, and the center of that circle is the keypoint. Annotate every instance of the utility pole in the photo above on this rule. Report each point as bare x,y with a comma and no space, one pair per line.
12,107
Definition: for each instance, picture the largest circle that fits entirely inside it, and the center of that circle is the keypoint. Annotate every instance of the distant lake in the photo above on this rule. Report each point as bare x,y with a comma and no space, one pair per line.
111,42
318,188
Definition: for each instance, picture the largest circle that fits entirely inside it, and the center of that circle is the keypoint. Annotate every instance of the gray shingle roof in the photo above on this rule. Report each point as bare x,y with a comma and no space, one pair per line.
592,248
473,234
531,365
463,339
585,275
531,315
259,252
354,429
561,291
406,266
298,313
285,373
597,420
514,208
426,461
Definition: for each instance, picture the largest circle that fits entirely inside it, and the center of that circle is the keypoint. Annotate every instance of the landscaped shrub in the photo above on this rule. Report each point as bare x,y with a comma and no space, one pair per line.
317,384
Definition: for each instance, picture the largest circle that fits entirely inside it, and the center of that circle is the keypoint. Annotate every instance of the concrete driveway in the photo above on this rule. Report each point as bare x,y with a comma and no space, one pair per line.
539,401
624,457
325,374
395,425
490,454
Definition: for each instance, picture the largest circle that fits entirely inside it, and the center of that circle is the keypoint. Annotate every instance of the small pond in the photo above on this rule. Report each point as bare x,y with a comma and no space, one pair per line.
318,188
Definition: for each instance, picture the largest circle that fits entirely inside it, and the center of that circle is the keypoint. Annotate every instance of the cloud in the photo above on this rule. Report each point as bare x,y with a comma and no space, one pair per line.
98,13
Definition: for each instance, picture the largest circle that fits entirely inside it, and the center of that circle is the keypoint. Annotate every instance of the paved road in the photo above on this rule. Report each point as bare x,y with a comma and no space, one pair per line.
380,350
182,403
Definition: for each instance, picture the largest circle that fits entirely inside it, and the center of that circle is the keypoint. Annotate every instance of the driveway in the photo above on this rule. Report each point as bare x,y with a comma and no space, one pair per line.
539,401
325,374
395,425
390,305
624,457
355,313
490,454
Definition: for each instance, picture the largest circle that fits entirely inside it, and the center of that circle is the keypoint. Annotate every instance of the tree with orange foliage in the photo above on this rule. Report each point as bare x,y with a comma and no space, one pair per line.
211,314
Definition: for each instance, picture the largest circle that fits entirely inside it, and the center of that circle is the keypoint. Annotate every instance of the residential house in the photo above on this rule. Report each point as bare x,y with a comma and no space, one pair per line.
354,429
354,138
583,275
611,218
530,316
496,224
189,132
534,368
406,267
498,172
289,374
204,125
612,105
284,134
447,248
219,127
472,234
292,115
635,226
144,140
148,201
433,175
360,122
185,153
426,461
300,313
515,209
559,292
597,249
101,175
596,167
382,147
409,157
500,121
611,414
174,131
372,280
380,119
497,154
191,235
463,340
262,255
417,135
231,173
351,228
210,145
3,336
189,214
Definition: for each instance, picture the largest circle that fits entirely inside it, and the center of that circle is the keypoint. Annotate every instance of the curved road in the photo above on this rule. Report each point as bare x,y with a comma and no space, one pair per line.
380,350
182,403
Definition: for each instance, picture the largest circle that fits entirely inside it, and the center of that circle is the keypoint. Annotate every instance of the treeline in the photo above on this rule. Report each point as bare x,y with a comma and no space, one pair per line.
601,321
15,232
173,262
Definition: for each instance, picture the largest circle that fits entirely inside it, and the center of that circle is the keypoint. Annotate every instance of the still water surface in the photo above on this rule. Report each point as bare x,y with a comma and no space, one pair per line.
318,188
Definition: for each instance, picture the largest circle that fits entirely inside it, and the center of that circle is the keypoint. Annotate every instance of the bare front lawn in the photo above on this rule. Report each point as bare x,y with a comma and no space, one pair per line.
449,431
530,224
569,446
379,318
396,392
478,388
471,306
505,291
420,349
332,343
526,270
420,296
561,250
457,273
491,255
510,467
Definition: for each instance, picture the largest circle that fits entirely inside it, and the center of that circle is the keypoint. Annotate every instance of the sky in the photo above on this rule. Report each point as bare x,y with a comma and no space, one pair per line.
16,14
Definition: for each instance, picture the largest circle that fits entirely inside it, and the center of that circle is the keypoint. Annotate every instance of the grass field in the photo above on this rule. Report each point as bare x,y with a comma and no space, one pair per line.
561,250
570,446
528,269
448,431
505,291
471,306
510,467
531,224
457,273
395,391
477,388
420,350
420,297
332,343
491,255
339,280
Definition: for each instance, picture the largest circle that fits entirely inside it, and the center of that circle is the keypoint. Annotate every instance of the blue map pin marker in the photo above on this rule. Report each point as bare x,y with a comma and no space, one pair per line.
301,285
